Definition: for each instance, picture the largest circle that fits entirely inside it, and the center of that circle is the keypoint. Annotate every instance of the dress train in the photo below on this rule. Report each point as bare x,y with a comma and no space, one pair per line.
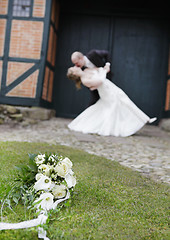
113,114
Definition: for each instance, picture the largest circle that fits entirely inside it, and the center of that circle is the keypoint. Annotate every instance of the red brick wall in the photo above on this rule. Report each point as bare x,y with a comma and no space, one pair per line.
26,42
16,69
167,102
3,7
3,11
26,39
2,35
45,84
48,85
26,88
51,54
39,8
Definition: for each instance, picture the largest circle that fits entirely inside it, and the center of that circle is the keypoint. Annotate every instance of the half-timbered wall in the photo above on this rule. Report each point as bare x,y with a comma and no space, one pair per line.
3,12
23,42
51,53
28,43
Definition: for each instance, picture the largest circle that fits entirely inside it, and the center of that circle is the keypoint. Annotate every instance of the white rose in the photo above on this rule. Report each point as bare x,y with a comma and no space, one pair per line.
38,176
70,180
44,169
62,169
46,201
59,191
68,162
39,159
43,183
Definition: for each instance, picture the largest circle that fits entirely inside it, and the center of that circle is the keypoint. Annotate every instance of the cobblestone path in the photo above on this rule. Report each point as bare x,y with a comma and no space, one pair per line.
148,151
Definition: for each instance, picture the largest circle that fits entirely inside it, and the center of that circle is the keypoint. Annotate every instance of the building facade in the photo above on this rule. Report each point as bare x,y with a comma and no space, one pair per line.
37,38
27,51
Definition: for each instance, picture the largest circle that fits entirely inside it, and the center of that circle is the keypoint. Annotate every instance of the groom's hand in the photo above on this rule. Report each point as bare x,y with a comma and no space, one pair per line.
107,67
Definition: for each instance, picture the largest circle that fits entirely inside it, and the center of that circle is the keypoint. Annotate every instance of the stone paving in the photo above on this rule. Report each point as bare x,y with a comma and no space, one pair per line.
148,151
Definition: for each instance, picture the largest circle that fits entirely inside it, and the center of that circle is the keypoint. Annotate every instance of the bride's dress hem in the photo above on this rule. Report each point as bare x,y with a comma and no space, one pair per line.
151,120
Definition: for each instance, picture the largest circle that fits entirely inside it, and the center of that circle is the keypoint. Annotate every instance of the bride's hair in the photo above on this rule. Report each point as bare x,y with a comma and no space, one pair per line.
73,77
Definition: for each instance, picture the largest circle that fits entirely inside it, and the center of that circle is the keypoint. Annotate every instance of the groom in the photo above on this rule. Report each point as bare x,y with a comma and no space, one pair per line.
94,58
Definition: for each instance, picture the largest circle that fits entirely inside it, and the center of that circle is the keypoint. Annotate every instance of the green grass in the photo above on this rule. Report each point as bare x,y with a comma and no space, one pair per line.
109,202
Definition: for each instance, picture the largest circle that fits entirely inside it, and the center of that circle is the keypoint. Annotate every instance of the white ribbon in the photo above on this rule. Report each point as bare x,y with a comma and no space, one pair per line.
42,218
25,224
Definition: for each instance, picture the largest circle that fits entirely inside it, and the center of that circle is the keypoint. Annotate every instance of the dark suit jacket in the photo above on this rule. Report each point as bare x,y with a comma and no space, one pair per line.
98,58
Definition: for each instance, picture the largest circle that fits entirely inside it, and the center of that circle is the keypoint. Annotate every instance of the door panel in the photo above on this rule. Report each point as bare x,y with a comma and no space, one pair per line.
77,33
139,62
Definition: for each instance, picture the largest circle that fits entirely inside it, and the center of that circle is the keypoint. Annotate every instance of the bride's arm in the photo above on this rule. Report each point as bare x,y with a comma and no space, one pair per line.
101,76
93,78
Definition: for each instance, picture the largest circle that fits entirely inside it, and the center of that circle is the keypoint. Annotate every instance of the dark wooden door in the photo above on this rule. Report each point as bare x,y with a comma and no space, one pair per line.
76,33
138,48
139,61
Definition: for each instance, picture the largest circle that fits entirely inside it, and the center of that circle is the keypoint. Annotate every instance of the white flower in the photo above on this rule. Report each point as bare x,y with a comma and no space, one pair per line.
51,158
62,169
46,201
44,169
39,159
51,186
38,176
70,180
68,162
43,183
59,191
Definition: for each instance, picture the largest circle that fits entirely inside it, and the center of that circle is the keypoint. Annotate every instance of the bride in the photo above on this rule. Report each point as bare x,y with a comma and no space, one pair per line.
114,113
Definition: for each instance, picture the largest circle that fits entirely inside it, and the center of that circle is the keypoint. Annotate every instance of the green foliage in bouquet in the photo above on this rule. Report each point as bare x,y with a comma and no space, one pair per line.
41,181
21,189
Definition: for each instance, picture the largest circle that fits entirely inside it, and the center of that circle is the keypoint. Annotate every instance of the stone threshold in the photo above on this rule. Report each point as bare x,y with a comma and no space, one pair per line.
24,115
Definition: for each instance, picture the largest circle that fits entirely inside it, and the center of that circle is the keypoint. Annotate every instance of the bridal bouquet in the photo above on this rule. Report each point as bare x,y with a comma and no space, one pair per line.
45,182
53,180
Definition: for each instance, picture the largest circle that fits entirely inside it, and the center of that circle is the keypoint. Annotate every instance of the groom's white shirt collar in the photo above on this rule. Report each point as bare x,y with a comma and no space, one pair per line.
88,63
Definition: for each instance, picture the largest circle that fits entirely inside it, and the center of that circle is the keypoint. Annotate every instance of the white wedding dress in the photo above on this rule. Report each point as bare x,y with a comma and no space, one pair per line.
113,114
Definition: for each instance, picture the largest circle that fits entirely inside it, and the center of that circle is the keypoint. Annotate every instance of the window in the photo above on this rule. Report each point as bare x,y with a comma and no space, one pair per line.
21,8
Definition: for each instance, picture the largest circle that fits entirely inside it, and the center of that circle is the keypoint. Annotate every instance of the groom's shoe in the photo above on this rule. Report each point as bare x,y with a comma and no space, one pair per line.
151,120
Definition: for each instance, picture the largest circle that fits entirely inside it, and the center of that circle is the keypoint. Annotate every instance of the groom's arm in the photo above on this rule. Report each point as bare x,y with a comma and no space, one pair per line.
98,57
104,54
